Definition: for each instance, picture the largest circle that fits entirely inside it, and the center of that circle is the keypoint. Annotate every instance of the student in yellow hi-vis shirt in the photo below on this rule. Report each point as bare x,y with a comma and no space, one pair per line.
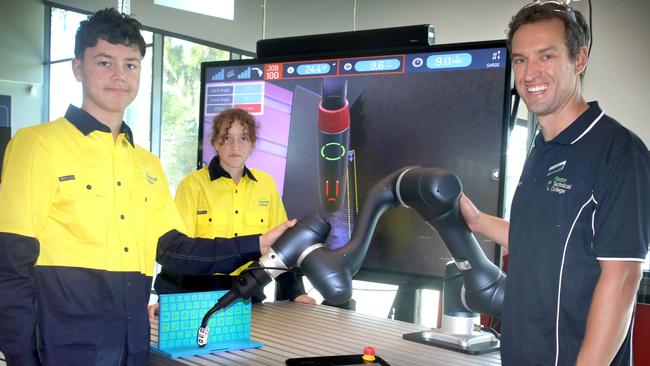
228,199
85,213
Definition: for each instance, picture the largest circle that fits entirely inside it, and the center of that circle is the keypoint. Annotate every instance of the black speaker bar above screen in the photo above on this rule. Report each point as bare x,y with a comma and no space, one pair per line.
383,38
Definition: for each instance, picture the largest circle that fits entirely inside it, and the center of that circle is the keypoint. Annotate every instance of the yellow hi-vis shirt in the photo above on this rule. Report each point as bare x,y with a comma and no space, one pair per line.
82,218
89,211
89,201
211,205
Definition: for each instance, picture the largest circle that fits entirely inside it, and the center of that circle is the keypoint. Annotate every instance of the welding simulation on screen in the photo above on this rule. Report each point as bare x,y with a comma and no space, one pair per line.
357,119
334,142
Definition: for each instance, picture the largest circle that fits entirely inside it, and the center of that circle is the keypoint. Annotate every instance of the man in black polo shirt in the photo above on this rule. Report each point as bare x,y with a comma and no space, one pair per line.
580,223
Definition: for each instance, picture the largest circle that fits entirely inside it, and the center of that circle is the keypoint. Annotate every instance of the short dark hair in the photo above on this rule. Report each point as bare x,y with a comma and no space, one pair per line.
113,27
227,118
576,29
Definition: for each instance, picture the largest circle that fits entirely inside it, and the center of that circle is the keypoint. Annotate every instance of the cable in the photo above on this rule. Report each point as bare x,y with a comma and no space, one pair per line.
264,20
354,16
248,269
483,328
495,323
591,29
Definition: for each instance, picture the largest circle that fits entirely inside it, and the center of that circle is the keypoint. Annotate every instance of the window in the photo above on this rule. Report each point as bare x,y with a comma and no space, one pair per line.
515,155
65,90
216,8
64,26
180,105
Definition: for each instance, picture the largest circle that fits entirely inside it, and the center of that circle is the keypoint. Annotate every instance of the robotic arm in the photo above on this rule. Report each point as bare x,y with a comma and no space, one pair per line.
434,193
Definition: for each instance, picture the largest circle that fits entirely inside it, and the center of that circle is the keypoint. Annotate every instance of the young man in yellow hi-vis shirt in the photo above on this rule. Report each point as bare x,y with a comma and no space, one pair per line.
228,199
85,213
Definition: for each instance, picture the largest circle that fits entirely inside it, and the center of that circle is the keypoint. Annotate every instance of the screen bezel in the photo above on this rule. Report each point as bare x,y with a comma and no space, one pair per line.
368,274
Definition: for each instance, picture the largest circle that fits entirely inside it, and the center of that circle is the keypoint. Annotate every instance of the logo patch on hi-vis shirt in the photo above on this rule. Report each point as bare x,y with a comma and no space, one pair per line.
150,178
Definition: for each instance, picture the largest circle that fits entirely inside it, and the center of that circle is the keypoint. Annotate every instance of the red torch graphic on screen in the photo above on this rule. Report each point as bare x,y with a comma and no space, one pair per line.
333,142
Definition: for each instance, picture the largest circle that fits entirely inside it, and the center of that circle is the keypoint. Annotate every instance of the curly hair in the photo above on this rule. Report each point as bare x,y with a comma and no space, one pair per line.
113,27
227,118
576,28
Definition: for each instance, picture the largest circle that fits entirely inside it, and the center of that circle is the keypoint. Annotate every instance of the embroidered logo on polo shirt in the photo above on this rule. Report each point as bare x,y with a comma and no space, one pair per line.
263,202
559,185
555,168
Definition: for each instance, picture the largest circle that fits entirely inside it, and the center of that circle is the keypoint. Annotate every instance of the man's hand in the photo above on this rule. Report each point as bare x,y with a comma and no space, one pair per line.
305,299
492,227
470,213
267,239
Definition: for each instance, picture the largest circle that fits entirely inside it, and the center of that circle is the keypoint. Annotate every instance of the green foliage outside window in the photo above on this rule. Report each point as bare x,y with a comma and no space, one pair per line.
181,93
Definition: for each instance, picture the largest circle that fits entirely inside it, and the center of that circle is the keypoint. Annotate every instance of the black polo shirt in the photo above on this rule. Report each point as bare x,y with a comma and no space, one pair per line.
583,197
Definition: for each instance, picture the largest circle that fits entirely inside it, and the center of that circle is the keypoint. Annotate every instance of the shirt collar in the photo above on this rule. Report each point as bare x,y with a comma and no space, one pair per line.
577,129
86,123
216,171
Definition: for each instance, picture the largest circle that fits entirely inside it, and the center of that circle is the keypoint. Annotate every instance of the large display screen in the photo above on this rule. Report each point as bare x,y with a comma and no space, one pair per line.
331,127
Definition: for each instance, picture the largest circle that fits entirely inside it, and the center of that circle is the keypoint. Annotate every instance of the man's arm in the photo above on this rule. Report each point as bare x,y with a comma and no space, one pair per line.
611,311
492,227
621,234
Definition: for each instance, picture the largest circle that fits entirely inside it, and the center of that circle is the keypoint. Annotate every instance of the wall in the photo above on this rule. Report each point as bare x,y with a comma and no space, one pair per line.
21,64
